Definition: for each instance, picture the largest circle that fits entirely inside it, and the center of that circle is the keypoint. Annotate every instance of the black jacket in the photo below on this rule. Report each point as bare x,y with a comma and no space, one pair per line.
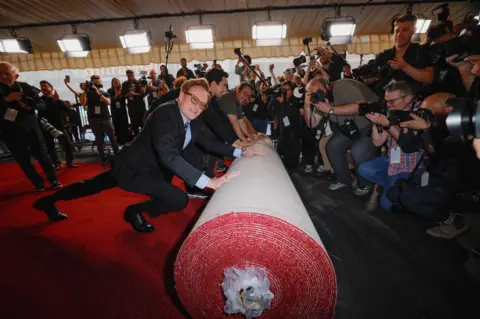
26,120
54,113
157,150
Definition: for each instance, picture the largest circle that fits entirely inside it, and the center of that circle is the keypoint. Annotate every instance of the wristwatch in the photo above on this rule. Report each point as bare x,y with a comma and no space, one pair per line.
331,109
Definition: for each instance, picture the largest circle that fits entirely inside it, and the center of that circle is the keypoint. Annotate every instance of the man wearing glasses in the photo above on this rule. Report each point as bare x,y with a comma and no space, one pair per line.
232,105
385,170
148,164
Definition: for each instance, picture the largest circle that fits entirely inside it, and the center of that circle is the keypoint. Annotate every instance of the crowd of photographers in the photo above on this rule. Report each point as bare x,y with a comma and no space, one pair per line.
379,130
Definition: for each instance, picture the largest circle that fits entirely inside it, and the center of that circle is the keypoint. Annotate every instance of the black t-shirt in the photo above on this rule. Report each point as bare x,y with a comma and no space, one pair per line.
117,104
136,104
55,112
416,55
96,108
187,73
257,110
447,78
335,68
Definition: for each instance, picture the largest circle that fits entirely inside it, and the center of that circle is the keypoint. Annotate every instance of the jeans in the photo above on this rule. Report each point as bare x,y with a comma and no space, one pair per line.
376,171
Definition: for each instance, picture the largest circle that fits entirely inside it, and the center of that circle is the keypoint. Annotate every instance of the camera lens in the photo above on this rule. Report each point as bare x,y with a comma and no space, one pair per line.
463,121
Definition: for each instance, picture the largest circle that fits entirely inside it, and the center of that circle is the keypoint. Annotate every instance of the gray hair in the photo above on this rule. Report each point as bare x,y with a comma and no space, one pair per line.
10,66
322,82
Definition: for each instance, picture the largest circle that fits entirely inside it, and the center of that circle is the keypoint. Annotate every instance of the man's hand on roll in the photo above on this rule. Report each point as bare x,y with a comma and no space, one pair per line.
248,152
216,183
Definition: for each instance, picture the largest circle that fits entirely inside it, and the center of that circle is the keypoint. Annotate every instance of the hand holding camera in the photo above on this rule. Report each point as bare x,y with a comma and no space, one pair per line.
398,64
378,119
417,123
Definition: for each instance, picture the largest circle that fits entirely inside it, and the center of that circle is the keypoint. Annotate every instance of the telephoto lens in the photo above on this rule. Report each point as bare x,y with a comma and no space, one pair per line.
464,121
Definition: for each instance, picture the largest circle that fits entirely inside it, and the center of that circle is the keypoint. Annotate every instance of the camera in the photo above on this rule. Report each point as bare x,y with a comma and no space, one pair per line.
464,121
199,72
49,128
274,92
31,97
468,43
397,116
302,59
237,51
307,41
372,107
349,129
317,97
90,86
366,71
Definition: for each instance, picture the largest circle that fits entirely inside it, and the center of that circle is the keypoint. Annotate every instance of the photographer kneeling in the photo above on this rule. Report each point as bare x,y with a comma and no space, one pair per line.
385,170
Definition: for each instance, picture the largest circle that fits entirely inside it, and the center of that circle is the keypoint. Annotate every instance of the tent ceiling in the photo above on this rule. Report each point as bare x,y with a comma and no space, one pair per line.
228,26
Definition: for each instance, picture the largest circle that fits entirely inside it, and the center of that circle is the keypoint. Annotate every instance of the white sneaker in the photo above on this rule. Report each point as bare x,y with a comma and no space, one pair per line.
308,169
321,169
336,186
362,191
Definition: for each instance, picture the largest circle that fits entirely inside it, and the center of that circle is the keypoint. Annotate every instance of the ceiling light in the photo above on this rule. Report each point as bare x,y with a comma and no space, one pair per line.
338,30
136,41
422,25
269,33
200,37
75,45
17,45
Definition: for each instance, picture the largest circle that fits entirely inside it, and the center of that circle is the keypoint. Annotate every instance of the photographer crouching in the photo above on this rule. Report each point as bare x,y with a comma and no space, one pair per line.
385,170
19,127
97,102
54,114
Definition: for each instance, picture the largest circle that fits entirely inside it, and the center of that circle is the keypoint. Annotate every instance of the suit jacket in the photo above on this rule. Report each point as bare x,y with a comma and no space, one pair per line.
157,150
26,120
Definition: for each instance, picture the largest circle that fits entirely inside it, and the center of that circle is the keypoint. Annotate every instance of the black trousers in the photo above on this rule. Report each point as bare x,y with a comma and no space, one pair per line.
309,145
65,144
164,197
23,146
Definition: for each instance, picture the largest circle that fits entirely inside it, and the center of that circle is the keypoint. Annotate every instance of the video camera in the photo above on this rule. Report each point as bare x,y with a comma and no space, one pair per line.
464,121
199,72
90,86
468,43
372,107
366,71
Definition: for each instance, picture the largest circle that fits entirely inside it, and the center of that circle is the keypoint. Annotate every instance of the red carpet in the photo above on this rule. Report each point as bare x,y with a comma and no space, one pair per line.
92,265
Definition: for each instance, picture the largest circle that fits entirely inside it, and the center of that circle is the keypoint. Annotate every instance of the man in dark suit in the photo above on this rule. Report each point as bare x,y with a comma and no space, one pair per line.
148,164
19,127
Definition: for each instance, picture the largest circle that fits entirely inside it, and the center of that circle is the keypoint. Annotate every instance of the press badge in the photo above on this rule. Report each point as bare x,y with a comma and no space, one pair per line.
328,130
286,121
255,108
118,104
11,115
269,129
425,178
97,110
395,155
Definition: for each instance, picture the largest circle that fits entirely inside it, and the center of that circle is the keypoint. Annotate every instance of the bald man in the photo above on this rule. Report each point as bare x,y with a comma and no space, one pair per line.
19,127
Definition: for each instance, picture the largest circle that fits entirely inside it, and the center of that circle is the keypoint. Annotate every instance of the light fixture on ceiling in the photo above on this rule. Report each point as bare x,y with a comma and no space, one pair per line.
200,36
136,40
269,33
422,25
15,44
75,45
338,30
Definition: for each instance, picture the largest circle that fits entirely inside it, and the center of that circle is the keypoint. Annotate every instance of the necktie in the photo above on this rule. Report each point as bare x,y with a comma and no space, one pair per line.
188,134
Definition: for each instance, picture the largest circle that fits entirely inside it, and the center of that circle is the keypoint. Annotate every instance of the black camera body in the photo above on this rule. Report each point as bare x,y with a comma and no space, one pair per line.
317,97
350,129
372,107
274,92
468,43
91,86
397,116
237,51
143,80
31,97
366,71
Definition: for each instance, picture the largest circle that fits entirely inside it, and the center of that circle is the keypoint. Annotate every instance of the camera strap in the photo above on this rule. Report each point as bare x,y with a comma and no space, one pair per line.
423,159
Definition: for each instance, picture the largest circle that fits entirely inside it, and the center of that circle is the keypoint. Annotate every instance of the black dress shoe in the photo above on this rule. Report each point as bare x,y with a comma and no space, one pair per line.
138,222
71,165
39,188
49,209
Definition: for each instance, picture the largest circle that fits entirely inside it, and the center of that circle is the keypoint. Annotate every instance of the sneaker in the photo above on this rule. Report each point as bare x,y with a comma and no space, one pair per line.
308,169
39,188
321,169
359,191
72,165
336,187
56,185
449,230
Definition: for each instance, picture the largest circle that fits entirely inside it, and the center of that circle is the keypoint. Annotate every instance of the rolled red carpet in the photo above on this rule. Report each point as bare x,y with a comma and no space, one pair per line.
257,220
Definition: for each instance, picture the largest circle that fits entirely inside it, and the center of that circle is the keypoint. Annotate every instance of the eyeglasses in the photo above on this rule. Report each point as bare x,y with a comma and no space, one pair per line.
196,101
398,98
